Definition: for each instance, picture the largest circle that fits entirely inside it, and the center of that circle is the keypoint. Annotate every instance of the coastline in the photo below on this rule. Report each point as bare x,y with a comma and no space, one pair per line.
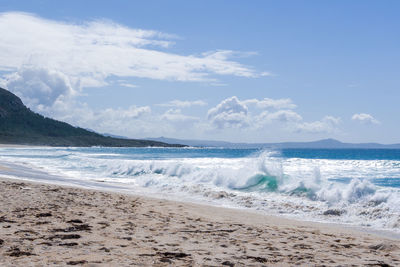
15,146
44,224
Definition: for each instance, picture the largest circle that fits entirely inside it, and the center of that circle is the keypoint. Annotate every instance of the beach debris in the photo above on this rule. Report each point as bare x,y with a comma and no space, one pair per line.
333,212
383,246
44,214
69,244
76,262
74,221
379,263
228,263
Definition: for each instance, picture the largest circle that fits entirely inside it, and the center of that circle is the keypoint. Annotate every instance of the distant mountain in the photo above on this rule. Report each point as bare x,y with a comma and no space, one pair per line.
19,125
325,143
115,136
197,143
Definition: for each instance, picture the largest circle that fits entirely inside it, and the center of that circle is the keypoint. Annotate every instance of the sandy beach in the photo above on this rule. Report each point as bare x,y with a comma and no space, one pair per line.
42,224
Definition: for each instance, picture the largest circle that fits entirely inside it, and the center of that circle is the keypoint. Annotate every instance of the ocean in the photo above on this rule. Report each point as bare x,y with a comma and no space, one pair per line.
356,187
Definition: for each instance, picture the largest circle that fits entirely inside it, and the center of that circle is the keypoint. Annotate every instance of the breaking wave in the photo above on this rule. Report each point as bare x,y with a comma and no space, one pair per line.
334,190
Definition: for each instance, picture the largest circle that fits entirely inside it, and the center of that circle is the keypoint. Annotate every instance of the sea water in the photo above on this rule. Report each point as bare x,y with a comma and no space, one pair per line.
359,187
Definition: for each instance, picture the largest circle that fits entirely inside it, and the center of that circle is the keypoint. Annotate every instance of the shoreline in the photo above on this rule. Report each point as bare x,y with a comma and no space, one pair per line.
17,175
235,211
51,224
341,227
16,146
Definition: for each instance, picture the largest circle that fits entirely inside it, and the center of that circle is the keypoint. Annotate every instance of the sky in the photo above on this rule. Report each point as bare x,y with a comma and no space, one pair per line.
240,71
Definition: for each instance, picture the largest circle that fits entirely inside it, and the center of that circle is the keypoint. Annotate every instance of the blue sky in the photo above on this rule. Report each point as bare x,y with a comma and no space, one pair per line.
259,71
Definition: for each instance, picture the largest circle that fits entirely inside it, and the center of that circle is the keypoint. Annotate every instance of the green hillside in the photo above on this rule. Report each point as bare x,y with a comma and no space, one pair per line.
19,125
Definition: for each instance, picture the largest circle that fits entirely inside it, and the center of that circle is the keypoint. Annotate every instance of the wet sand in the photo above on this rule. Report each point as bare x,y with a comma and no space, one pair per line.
42,224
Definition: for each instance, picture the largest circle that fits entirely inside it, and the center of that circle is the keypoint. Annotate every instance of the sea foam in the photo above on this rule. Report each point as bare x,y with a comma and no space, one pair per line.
319,189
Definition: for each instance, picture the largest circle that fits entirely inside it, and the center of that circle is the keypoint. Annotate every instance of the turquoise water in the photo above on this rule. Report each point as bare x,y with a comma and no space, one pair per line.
363,184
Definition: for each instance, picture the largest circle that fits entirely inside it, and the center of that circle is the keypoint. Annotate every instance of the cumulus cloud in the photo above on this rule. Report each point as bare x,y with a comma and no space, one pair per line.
364,118
327,125
229,113
183,104
276,113
233,112
40,88
95,50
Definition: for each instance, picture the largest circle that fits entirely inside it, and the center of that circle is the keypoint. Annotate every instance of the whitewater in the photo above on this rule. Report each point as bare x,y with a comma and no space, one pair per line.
357,187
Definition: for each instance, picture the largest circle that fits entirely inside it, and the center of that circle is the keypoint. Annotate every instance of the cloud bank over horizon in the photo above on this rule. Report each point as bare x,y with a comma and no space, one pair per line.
51,93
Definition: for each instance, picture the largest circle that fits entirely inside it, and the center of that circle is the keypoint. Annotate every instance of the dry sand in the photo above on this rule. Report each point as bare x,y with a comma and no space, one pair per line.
43,224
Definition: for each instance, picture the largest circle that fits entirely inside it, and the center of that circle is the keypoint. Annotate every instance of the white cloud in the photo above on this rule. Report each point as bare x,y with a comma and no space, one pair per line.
365,118
285,116
133,112
50,62
234,113
176,115
268,103
327,125
183,104
127,122
93,51
40,88
129,85
229,113
51,93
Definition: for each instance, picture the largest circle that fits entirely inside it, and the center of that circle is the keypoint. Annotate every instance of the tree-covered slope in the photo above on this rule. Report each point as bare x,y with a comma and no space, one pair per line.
19,125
